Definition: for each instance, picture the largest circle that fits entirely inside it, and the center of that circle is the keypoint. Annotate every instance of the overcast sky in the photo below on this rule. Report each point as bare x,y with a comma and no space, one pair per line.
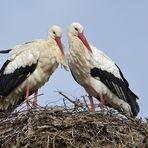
119,28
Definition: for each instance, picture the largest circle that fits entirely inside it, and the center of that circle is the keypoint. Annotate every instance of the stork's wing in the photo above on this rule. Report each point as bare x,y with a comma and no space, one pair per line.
18,49
102,61
110,74
16,70
116,85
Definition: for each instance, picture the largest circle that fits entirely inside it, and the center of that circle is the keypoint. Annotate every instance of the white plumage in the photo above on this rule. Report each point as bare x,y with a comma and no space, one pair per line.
33,63
98,74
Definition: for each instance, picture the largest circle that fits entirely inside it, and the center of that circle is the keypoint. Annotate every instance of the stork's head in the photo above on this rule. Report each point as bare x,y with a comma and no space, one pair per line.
76,29
55,32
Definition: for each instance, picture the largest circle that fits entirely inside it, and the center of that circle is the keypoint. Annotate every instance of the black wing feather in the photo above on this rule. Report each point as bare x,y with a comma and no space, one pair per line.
8,82
126,82
113,83
117,86
3,67
5,51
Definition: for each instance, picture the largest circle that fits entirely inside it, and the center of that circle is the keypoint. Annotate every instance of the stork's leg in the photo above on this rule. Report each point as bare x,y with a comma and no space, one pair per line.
27,97
35,99
102,103
92,106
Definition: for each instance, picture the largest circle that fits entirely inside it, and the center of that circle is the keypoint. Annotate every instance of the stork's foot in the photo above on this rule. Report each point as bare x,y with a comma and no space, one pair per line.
35,99
92,106
27,98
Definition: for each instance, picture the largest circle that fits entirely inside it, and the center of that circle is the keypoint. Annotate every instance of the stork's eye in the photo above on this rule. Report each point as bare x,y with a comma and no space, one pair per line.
54,32
76,29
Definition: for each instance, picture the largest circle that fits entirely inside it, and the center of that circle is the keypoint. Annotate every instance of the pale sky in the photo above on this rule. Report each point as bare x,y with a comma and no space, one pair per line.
119,28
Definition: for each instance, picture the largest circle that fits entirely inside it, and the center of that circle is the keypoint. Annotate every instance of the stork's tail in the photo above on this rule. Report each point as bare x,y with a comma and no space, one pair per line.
132,101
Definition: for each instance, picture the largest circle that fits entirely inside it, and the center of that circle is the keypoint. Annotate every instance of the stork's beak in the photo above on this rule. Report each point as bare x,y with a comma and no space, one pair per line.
58,40
85,42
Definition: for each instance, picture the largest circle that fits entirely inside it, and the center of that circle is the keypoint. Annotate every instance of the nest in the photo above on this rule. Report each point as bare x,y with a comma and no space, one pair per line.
59,127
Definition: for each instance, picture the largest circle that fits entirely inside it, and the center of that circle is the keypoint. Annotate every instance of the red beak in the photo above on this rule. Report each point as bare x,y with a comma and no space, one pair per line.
85,42
58,40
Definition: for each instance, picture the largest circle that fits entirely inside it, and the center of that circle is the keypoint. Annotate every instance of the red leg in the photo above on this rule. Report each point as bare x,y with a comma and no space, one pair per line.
27,97
92,106
35,99
102,103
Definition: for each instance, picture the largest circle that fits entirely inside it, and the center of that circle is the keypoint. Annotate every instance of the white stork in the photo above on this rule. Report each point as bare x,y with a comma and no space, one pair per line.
98,74
29,67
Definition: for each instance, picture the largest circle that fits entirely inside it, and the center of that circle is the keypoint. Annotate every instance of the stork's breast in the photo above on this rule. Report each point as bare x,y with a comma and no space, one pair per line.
45,68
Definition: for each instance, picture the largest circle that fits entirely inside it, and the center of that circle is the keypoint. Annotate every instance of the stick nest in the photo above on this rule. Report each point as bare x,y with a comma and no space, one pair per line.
59,128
